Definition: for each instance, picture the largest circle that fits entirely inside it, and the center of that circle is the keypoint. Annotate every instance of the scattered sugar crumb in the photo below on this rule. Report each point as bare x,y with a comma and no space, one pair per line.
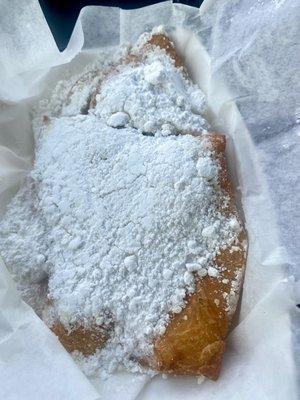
213,272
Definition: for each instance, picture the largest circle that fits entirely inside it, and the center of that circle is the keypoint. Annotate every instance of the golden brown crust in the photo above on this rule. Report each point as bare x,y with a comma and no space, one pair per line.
194,341
163,42
86,341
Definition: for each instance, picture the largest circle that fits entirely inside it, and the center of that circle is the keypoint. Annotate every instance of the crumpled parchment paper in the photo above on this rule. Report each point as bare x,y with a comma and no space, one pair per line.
242,53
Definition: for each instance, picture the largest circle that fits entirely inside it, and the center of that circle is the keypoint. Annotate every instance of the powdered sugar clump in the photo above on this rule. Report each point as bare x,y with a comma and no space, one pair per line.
156,98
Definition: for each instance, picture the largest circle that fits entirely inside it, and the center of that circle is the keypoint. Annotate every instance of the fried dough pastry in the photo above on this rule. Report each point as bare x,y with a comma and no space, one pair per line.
194,341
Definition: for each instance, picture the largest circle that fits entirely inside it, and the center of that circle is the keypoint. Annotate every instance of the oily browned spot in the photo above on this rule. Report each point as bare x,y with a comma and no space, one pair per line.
86,341
46,119
131,59
93,100
194,341
163,42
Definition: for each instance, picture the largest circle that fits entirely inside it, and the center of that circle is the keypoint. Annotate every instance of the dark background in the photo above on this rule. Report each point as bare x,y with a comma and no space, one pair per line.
61,15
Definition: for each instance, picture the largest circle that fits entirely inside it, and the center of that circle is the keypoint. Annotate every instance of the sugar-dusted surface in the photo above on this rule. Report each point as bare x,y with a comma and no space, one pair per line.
262,330
119,218
154,97
126,219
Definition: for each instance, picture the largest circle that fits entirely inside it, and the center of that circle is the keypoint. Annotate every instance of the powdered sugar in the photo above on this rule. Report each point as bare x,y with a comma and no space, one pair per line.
156,98
114,226
116,231
72,96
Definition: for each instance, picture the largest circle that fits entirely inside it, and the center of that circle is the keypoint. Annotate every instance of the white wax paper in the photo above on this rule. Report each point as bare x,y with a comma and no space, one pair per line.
243,56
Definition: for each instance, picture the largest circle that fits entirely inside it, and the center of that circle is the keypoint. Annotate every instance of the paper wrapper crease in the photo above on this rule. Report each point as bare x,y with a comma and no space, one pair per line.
243,56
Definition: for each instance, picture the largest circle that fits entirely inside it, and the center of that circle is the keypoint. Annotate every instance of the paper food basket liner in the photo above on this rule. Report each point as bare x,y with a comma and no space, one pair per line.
243,56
